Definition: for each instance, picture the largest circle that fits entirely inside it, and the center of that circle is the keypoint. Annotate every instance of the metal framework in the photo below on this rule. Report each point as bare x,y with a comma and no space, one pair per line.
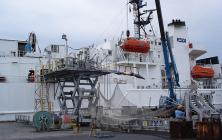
74,86
142,18
42,102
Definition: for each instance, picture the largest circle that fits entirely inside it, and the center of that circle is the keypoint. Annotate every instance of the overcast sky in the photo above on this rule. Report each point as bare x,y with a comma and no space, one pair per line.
91,21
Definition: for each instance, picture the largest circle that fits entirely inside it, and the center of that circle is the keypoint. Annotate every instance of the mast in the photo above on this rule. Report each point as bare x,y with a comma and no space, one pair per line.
140,21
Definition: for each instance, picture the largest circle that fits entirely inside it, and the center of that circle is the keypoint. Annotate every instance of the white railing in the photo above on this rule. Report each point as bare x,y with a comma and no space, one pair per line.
209,86
21,53
13,54
138,59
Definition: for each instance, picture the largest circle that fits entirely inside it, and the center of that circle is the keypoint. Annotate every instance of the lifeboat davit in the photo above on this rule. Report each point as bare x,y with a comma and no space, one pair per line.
135,45
202,72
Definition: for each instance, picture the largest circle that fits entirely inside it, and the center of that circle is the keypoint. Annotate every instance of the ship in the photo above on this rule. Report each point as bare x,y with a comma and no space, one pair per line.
135,79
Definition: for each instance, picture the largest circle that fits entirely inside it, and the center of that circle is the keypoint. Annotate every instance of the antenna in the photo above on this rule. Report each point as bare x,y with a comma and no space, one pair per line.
127,15
140,21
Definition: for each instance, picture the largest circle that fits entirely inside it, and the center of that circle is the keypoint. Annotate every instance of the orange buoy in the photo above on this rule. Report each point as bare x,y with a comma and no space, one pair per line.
135,45
202,72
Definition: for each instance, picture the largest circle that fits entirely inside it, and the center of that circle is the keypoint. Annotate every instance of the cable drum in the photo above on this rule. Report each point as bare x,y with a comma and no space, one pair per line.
43,120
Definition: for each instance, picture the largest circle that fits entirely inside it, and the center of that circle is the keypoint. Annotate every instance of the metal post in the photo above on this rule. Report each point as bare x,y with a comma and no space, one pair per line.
65,38
67,49
187,105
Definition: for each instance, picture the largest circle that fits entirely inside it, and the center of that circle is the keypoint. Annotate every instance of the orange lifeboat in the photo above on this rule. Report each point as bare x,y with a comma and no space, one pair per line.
135,45
202,72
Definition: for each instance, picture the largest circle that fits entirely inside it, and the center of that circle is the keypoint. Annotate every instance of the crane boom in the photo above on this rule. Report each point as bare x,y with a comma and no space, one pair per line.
167,52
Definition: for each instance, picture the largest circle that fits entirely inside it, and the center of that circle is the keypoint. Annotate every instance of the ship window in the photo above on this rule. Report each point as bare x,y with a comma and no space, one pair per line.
55,48
151,42
159,43
163,73
31,76
141,58
126,56
2,79
21,49
211,60
109,52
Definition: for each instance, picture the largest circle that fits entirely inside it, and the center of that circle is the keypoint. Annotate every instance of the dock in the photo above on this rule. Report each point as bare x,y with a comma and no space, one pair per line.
18,131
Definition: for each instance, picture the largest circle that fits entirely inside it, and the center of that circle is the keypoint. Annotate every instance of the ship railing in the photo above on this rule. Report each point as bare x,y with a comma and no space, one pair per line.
133,122
143,59
210,86
107,67
21,53
23,118
148,87
72,62
148,83
10,54
152,60
155,48
13,53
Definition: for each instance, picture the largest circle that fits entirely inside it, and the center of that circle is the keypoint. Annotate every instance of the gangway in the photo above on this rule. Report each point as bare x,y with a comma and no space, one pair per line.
199,104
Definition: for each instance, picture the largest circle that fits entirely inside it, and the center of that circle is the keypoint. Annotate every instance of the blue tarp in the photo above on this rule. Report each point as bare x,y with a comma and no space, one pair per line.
179,114
28,48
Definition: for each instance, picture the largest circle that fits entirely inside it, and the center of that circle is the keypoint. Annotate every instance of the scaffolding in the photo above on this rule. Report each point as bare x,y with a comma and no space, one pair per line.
42,101
75,87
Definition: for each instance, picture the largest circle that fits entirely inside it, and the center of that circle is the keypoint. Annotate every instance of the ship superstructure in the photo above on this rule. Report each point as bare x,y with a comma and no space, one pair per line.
150,65
140,78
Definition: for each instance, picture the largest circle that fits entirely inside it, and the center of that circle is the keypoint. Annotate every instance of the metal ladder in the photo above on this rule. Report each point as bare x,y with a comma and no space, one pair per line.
42,102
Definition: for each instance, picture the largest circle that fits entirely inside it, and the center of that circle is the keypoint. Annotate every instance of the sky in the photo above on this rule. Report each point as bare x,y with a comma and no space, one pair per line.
89,22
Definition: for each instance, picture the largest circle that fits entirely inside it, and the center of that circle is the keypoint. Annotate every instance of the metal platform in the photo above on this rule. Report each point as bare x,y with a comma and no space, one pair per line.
69,73
75,85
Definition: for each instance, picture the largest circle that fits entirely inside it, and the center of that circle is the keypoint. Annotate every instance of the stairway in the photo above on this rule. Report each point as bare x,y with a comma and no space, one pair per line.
200,105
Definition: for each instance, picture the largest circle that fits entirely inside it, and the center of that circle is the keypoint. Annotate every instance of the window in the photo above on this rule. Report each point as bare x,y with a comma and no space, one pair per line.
31,76
21,49
55,48
2,79
141,58
110,52
126,56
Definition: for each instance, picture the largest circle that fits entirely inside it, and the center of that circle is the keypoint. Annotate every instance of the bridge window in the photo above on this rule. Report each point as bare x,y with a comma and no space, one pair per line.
55,48
2,79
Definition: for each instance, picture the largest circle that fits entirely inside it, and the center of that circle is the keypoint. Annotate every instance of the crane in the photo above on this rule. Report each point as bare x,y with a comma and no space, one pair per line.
168,60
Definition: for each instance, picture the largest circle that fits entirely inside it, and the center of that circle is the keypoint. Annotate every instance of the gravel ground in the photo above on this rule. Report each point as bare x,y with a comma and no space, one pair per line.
18,131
